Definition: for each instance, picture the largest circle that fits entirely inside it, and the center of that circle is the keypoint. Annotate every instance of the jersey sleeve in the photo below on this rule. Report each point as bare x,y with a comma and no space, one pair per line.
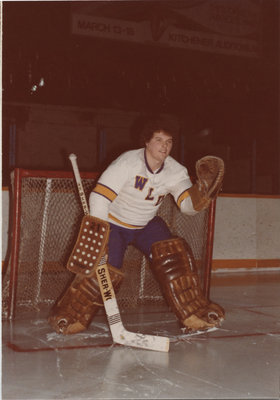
107,188
180,192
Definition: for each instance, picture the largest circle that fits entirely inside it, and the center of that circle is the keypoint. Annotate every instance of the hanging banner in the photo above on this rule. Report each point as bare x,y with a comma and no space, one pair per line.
227,27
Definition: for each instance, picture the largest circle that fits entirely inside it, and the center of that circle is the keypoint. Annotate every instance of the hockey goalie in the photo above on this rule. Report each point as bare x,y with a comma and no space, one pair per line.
123,210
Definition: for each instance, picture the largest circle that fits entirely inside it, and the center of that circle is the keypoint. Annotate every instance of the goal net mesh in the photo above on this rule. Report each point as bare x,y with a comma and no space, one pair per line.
46,216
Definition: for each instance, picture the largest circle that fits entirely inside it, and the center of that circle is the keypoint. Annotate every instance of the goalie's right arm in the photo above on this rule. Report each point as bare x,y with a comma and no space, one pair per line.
107,188
98,206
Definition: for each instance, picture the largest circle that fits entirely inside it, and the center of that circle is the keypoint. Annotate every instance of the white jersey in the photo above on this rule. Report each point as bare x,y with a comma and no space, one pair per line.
129,193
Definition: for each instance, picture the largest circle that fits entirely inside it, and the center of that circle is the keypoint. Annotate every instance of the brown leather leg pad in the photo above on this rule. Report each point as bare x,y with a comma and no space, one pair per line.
75,309
175,269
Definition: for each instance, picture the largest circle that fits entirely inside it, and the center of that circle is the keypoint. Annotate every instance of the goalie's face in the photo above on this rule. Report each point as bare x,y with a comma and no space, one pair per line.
158,148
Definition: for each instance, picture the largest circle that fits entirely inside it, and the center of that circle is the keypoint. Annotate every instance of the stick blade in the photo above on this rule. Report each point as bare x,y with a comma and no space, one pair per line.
119,333
149,342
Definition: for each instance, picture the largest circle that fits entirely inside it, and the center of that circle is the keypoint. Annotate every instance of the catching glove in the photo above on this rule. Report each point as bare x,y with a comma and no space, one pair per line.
210,174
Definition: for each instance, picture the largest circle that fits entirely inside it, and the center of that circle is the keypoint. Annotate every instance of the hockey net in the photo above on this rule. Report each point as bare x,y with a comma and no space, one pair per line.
46,213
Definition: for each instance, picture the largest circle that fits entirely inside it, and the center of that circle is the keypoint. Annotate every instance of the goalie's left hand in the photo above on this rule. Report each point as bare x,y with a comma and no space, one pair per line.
210,173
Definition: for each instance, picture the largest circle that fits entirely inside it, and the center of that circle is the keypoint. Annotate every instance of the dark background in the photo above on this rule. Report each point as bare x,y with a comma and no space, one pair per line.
235,98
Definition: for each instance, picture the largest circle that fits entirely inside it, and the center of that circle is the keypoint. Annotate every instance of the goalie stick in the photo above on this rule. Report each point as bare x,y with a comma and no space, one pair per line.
119,334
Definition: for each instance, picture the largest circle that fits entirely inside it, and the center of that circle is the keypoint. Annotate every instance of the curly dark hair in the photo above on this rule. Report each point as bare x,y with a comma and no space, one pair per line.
153,125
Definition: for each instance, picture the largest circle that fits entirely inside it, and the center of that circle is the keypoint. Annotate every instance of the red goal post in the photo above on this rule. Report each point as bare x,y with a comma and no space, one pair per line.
45,218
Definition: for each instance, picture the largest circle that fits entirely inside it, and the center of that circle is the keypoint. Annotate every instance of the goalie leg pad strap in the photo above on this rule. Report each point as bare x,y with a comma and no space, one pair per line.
175,269
74,311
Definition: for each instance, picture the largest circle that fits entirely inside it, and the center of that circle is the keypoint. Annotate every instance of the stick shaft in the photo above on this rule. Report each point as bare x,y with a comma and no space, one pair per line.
73,159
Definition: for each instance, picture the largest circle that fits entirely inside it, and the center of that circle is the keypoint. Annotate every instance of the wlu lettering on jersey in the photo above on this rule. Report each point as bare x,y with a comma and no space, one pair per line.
140,182
150,197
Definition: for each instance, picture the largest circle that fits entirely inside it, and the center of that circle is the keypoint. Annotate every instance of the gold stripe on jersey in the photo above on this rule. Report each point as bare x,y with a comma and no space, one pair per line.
182,197
105,191
124,223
